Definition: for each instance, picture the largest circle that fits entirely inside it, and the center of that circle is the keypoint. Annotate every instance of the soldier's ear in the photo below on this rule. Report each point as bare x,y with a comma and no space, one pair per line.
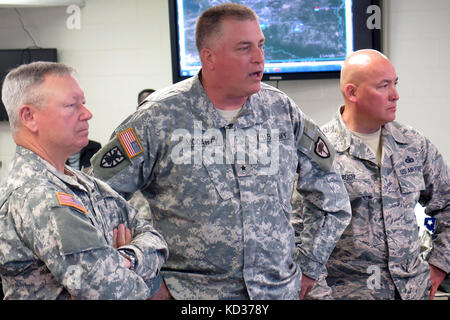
350,92
27,115
208,58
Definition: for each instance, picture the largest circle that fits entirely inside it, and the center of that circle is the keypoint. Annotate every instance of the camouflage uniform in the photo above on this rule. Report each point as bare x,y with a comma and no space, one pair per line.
56,236
224,214
379,251
139,202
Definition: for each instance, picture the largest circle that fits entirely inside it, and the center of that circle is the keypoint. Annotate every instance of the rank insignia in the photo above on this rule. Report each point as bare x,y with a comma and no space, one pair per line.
70,201
130,143
321,149
112,158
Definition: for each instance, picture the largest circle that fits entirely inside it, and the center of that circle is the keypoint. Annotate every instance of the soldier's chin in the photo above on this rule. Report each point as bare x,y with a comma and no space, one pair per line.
255,88
83,143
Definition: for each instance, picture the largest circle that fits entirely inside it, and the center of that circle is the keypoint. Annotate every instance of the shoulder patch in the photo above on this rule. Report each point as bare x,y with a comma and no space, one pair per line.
315,144
112,158
321,148
70,201
130,143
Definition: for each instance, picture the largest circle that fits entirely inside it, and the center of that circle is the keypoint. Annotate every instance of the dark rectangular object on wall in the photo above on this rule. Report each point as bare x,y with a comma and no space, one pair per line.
304,39
11,58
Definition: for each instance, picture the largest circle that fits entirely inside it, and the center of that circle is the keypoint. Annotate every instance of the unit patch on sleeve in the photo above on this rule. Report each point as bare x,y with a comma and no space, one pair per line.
130,143
70,201
321,149
112,158
316,145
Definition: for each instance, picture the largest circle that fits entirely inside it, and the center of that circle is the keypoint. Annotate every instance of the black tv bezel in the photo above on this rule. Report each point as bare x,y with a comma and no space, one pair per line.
364,38
27,55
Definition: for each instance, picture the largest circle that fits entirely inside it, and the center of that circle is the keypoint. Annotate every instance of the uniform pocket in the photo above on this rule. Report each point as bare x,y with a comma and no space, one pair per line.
409,171
410,183
218,175
76,233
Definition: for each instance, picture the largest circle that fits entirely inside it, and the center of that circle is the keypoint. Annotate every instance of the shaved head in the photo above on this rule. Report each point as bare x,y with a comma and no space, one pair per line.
358,66
368,85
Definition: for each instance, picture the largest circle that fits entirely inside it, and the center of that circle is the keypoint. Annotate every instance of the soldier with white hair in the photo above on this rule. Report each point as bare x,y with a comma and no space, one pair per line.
64,234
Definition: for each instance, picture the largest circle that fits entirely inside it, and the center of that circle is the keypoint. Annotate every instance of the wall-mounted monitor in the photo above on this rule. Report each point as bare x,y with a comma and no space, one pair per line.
11,58
305,39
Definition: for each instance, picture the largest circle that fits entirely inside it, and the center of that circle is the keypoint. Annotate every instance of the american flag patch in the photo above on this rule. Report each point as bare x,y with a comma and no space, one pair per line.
130,143
68,200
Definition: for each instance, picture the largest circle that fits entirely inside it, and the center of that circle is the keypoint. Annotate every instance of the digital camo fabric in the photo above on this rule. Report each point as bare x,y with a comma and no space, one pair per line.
56,237
380,249
220,194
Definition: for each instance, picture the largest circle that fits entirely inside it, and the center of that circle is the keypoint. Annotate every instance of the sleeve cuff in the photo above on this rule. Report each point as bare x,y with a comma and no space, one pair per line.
309,267
154,284
147,266
435,262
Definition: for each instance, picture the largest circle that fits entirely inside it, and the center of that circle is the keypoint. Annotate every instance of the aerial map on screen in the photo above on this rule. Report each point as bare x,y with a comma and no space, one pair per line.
295,31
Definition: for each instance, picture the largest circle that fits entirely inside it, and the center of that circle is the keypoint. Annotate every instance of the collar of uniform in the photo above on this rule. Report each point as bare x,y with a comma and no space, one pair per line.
345,136
355,145
81,179
393,129
44,167
202,106
253,111
205,110
392,135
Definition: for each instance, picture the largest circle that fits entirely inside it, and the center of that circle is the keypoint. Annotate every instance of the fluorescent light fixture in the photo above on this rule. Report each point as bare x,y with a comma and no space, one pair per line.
40,3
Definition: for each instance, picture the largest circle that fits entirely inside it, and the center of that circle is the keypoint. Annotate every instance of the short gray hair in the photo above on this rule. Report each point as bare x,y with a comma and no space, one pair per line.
19,84
209,22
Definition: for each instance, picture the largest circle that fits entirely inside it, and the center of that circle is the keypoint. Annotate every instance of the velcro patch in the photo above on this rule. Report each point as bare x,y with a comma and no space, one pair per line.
130,143
112,158
316,144
321,148
68,200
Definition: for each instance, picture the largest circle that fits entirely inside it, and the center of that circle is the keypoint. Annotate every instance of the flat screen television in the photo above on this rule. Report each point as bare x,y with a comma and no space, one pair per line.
305,39
11,58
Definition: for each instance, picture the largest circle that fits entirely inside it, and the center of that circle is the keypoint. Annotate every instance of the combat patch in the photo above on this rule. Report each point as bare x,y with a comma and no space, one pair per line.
315,144
69,201
130,143
321,148
112,158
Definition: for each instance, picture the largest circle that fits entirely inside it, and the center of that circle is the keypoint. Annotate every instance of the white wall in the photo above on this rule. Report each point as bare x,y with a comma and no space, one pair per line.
123,46
419,44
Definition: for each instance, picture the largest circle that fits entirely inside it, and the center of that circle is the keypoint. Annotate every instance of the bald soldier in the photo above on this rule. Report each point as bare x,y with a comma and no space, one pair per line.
64,234
215,156
387,169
